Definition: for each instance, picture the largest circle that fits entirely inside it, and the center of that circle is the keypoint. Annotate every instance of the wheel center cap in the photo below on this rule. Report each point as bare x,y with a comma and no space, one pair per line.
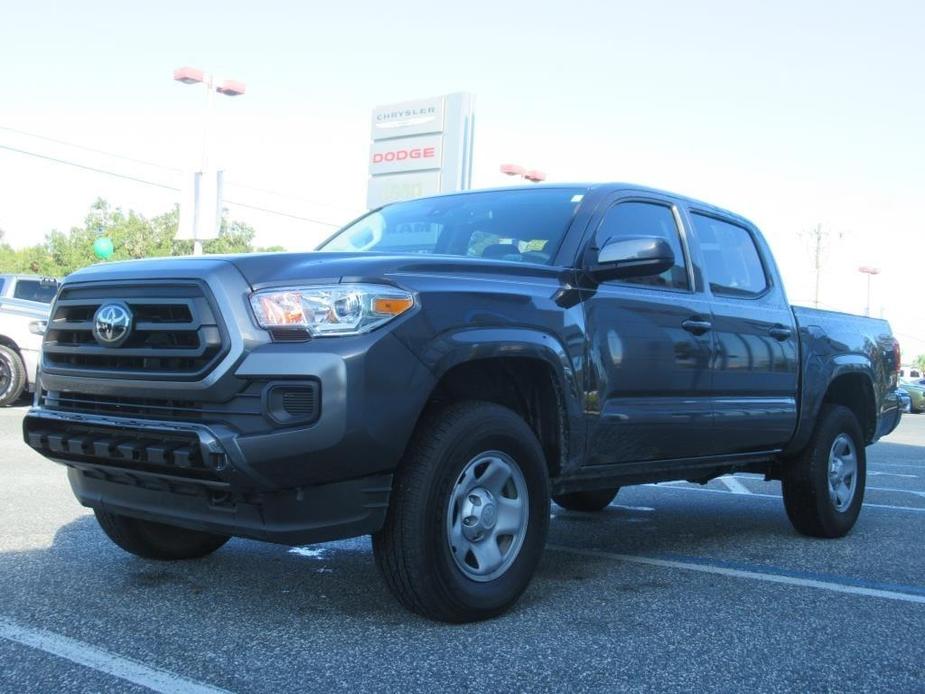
489,516
478,514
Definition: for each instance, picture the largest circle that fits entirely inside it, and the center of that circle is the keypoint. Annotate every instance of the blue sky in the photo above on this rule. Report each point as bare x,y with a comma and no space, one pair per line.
791,113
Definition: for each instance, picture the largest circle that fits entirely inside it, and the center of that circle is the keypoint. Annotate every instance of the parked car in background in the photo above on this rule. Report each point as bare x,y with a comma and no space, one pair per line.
24,304
905,400
916,390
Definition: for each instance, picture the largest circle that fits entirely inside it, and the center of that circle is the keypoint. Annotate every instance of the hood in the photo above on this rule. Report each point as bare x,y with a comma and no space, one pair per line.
281,268
266,269
181,267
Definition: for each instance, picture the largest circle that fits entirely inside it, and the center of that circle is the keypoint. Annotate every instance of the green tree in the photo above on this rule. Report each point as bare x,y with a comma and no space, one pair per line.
920,362
132,234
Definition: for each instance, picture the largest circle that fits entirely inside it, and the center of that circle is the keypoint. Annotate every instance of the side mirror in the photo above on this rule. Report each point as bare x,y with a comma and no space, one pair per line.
635,256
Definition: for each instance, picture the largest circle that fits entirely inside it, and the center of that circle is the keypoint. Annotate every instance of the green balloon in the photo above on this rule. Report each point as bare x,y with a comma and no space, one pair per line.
102,247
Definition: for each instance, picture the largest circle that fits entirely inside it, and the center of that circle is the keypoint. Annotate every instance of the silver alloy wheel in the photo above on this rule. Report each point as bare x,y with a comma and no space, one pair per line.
843,472
487,514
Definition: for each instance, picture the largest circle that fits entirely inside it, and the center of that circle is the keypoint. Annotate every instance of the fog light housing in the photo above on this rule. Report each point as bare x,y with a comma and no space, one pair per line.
293,402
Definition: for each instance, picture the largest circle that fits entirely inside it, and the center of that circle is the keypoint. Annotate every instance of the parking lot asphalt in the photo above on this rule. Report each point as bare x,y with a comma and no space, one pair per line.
674,587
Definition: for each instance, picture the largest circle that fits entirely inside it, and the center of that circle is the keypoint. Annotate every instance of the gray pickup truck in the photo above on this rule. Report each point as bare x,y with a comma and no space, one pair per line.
440,370
24,304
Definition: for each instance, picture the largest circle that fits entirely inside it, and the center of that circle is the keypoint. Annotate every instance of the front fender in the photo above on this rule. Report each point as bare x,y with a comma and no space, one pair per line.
472,344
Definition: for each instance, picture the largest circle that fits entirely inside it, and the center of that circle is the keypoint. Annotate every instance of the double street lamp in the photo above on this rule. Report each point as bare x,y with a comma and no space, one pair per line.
206,215
532,175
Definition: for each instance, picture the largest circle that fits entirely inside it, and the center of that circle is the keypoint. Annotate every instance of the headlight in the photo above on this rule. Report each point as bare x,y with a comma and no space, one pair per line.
37,327
340,309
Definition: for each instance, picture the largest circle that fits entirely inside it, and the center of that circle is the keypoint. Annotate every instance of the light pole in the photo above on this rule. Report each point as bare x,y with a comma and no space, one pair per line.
532,175
869,271
192,75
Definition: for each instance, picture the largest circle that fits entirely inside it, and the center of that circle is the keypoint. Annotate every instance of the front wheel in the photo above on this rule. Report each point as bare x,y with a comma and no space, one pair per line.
12,376
823,487
468,516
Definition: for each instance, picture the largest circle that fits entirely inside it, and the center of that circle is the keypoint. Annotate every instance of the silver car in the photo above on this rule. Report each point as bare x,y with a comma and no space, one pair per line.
24,305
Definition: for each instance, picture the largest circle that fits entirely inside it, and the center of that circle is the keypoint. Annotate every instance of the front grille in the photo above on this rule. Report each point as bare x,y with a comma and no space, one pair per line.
244,406
176,333
149,408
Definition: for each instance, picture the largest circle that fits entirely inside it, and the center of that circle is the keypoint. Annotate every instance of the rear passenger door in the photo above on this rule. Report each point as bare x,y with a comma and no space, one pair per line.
647,392
755,362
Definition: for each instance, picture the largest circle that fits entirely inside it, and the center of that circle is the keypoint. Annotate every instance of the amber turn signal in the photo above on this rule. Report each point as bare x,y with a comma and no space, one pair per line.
392,306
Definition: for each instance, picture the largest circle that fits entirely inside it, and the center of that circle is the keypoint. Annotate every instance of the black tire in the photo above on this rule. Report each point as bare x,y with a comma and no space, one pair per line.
805,484
151,540
413,550
594,500
12,376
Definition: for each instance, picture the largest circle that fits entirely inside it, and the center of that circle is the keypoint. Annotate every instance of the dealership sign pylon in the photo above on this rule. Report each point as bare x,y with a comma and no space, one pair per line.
421,147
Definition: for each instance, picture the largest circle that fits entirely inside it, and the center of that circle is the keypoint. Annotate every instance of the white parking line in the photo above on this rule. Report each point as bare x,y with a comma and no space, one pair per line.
900,465
95,658
730,481
733,485
645,509
742,573
703,490
896,489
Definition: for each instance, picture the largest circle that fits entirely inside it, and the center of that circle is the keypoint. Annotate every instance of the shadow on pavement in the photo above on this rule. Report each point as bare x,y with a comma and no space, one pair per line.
271,584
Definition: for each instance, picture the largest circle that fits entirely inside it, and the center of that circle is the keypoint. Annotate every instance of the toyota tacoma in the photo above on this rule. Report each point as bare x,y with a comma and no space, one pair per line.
442,368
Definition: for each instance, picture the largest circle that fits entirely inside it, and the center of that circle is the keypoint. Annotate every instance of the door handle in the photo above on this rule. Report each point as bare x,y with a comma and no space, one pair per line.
697,327
780,333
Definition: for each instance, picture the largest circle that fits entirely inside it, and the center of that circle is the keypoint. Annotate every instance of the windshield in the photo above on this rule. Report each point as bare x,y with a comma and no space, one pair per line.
519,225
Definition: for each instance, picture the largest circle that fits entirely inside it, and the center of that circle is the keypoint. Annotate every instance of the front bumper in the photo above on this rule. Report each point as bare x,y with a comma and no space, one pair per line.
246,475
315,514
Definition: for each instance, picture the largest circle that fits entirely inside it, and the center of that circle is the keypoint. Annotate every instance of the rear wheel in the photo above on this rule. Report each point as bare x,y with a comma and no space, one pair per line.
12,376
594,500
152,540
468,516
824,487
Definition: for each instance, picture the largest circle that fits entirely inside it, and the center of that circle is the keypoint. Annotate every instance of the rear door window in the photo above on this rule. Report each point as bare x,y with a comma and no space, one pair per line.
733,264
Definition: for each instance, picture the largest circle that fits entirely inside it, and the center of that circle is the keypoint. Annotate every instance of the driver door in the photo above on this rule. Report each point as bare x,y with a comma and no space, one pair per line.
648,390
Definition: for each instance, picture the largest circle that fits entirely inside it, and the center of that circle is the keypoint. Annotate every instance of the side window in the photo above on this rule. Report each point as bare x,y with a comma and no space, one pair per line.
732,263
646,219
34,290
25,289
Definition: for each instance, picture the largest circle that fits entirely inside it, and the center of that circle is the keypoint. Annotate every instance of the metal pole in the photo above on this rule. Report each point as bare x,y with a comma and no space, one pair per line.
867,309
204,163
818,262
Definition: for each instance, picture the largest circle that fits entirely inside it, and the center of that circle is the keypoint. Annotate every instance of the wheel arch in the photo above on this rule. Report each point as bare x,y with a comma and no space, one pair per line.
9,342
846,380
525,370
855,390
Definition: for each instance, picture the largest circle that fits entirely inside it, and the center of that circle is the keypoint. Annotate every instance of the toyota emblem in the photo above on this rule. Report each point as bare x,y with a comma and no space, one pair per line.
112,324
